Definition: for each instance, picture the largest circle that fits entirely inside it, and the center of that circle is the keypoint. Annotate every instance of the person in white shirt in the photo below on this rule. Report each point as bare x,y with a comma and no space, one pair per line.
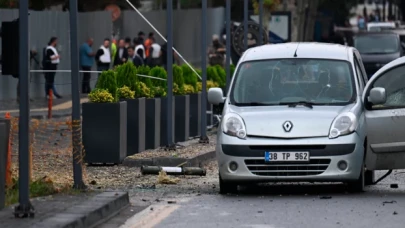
103,56
139,48
51,61
154,54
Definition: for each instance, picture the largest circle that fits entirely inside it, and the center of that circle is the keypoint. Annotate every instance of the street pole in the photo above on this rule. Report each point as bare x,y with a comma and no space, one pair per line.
169,28
76,120
228,44
203,137
25,208
245,23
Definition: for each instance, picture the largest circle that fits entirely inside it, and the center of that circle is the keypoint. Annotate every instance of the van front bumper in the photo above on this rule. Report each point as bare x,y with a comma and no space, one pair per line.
325,154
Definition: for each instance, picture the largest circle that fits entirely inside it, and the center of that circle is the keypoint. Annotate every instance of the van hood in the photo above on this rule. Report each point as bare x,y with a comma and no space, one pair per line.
268,121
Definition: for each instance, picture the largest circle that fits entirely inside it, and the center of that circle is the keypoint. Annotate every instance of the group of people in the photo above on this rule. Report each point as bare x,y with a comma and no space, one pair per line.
139,51
110,54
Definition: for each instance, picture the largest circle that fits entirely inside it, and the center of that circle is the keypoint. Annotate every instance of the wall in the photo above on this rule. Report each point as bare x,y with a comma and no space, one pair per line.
43,25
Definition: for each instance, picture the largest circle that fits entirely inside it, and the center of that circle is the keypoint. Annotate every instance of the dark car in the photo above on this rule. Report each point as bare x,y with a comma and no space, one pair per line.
377,49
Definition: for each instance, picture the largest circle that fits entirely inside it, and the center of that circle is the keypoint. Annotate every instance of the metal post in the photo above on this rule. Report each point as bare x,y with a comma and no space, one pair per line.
261,22
25,207
203,137
245,25
169,28
76,120
228,44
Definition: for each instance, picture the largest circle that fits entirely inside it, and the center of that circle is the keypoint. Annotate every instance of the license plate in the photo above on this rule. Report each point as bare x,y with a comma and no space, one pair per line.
286,156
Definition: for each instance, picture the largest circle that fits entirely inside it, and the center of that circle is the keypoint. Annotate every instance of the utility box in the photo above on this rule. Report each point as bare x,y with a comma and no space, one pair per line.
5,126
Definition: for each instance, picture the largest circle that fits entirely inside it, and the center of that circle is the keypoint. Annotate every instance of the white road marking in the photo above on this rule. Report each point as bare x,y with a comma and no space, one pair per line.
150,217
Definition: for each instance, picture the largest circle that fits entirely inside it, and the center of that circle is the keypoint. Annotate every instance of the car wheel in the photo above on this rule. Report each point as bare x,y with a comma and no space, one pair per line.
369,177
227,187
358,185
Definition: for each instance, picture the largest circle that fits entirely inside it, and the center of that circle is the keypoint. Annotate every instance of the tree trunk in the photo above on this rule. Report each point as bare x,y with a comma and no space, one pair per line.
311,19
266,18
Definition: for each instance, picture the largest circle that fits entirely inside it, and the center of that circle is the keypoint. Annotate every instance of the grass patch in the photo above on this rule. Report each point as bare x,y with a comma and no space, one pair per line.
41,187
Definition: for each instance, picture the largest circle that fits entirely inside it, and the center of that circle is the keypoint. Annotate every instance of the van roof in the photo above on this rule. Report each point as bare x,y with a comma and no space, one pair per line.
304,50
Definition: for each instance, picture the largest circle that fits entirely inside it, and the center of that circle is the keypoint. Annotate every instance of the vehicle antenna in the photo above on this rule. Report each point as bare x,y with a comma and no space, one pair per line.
295,53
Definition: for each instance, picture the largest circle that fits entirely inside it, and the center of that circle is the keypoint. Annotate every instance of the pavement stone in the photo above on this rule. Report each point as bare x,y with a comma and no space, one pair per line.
78,211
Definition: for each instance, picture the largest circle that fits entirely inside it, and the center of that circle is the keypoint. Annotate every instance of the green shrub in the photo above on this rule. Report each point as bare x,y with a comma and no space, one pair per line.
126,76
101,96
178,79
145,91
210,84
125,93
158,72
212,74
145,70
222,75
190,78
189,89
108,81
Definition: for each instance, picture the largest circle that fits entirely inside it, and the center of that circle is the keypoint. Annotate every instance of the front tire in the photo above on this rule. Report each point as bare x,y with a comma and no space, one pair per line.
357,186
369,177
227,187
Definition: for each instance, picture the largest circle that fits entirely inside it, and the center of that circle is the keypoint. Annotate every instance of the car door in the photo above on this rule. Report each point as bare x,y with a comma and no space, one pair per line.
385,123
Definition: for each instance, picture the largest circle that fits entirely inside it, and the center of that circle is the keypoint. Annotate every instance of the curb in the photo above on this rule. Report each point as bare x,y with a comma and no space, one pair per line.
170,161
89,213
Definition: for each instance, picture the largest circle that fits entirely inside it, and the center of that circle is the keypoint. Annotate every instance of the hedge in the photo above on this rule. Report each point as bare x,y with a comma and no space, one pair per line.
185,81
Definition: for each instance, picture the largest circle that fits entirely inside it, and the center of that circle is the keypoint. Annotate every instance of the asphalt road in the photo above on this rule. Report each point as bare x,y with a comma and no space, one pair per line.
279,206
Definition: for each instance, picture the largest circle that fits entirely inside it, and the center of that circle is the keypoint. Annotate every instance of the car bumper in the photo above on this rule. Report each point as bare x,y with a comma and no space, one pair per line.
325,154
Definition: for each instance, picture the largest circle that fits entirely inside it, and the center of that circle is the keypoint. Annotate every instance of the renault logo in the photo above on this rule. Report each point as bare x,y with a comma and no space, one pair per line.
287,125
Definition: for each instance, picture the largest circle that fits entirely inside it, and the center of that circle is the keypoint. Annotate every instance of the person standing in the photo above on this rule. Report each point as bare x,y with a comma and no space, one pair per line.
52,60
154,56
135,57
122,53
86,62
141,37
148,44
216,52
163,54
103,56
139,48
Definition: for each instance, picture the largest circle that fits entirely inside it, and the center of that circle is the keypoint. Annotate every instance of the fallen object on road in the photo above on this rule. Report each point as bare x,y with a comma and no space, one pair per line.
154,170
163,178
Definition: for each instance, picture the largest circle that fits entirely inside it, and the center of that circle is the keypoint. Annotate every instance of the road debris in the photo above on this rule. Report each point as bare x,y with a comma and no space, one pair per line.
394,185
155,170
163,178
389,202
325,197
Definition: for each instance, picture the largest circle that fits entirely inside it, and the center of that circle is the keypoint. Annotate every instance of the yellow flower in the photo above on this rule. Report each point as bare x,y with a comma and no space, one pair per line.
101,96
126,93
188,89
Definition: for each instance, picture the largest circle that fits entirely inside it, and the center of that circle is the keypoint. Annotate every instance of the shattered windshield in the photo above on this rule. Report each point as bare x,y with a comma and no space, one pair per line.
274,82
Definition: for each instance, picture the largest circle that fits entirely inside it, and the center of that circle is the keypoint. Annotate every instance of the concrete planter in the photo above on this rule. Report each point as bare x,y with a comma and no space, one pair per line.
182,118
135,125
104,132
153,114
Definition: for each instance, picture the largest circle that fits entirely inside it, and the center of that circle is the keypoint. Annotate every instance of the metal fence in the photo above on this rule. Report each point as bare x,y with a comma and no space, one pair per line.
196,39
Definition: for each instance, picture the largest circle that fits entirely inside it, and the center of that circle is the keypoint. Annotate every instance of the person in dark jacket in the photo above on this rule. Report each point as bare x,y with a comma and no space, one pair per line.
51,61
122,53
136,58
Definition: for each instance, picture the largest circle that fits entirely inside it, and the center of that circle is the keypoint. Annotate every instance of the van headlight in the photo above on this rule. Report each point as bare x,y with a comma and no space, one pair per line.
343,124
233,125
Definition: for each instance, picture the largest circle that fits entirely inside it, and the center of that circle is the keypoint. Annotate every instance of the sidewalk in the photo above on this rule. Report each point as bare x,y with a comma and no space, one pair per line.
39,107
76,210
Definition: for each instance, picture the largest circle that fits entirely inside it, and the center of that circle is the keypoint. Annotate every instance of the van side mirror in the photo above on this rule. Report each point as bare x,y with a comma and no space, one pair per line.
377,96
215,96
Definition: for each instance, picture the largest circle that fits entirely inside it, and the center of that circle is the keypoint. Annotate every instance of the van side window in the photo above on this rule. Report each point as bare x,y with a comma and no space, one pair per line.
393,83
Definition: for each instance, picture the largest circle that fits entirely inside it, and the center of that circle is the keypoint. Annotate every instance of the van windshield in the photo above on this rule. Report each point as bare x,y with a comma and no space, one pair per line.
282,81
377,44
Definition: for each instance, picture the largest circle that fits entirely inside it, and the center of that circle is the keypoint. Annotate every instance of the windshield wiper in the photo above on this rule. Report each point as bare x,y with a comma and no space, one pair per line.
295,104
253,104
